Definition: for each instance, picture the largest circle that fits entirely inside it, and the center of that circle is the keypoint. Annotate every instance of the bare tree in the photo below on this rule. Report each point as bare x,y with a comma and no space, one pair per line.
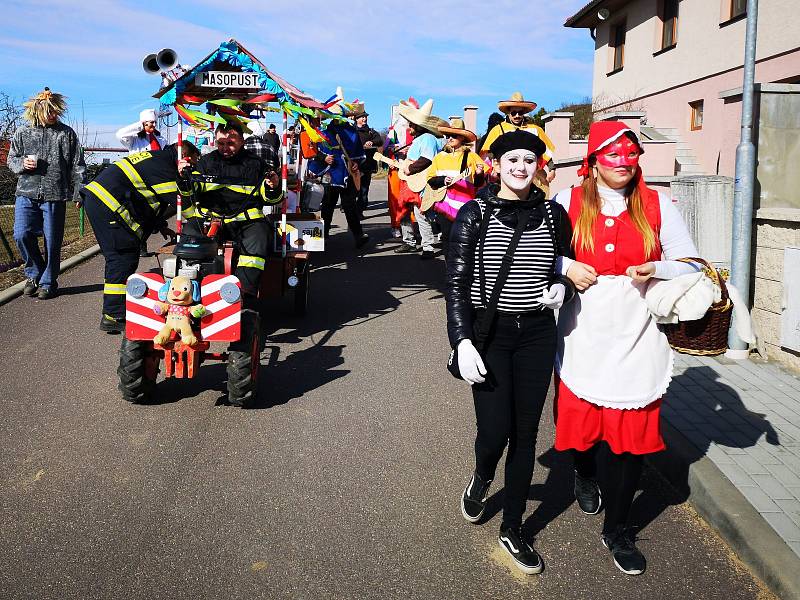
10,116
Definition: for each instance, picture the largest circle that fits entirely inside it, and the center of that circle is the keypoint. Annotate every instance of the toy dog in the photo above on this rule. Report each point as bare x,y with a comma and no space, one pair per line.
177,296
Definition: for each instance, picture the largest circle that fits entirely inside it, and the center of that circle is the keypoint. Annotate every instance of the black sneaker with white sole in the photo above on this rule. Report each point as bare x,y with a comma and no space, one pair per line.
524,556
473,500
627,557
587,493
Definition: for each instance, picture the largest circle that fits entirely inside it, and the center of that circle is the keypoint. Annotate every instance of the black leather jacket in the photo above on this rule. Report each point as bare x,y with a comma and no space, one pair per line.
464,242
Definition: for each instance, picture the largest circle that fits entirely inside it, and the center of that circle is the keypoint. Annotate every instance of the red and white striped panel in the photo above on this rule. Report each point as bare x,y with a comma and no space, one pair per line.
223,321
141,323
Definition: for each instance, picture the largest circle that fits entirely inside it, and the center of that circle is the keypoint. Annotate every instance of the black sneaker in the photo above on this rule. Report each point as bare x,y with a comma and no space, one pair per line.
524,556
30,288
111,325
405,249
627,556
587,493
45,293
473,500
362,241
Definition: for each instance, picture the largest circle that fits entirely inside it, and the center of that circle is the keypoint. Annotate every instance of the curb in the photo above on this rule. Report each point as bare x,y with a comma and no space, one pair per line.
724,507
16,290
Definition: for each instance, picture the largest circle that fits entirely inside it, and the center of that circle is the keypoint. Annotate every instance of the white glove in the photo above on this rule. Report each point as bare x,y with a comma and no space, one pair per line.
470,363
553,298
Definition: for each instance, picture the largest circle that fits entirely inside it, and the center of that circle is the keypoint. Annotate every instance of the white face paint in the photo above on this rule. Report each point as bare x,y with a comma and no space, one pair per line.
517,168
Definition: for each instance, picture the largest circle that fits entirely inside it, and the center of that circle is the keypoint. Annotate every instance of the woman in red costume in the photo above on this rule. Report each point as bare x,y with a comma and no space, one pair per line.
613,363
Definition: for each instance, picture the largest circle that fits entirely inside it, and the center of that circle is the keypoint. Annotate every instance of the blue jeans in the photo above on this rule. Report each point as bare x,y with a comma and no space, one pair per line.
32,219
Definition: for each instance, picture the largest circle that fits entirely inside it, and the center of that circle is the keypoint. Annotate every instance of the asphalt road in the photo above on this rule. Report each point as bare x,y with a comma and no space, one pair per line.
343,483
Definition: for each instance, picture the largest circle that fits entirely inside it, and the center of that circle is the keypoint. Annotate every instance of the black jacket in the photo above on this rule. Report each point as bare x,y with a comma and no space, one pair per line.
463,244
368,134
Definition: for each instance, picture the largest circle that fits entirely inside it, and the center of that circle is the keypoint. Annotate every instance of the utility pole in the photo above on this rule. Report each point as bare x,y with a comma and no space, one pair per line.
744,185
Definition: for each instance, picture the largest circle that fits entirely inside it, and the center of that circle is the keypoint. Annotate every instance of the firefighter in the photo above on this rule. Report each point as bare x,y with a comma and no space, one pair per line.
233,183
125,203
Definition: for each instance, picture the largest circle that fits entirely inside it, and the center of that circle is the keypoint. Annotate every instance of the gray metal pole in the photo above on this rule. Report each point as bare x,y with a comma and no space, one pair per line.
744,183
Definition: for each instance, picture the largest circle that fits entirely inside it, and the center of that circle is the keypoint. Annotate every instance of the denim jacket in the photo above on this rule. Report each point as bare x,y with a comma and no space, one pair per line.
60,171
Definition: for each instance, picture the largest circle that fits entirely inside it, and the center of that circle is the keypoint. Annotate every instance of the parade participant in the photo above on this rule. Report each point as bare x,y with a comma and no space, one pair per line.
396,145
513,225
272,138
424,128
236,187
493,120
340,165
371,140
516,110
142,135
46,155
125,203
447,166
621,230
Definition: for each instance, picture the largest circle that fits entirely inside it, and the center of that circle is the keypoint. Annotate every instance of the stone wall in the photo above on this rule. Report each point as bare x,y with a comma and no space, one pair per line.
775,229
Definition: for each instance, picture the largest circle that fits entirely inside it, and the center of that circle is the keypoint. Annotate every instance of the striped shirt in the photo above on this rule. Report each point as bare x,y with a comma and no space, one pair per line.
530,272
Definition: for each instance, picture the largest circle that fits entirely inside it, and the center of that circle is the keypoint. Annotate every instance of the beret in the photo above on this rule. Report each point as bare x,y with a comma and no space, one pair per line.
518,139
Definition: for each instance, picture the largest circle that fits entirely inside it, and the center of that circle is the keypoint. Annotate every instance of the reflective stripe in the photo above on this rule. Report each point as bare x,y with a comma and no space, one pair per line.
251,214
114,288
166,187
113,204
242,189
138,183
254,262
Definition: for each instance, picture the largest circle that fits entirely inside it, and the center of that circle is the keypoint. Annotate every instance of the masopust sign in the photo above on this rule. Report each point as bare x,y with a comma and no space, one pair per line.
231,79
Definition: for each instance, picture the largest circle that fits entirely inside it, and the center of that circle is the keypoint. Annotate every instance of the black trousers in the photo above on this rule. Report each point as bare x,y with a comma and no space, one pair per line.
251,240
363,193
618,476
349,199
120,248
508,406
445,225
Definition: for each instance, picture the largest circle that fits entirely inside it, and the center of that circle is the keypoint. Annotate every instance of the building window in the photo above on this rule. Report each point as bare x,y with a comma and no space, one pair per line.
618,45
669,24
738,8
697,115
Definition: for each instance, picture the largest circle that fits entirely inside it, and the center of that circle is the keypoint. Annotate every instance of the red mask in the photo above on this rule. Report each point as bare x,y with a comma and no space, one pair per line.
623,147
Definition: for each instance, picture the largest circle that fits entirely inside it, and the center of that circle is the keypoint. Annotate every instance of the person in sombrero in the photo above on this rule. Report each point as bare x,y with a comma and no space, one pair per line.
516,110
424,127
448,165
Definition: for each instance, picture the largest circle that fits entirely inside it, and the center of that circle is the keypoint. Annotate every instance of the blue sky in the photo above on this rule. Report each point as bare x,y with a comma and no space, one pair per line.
454,51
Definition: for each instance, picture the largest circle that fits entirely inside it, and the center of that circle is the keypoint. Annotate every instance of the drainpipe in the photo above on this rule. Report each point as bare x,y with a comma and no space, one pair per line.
744,185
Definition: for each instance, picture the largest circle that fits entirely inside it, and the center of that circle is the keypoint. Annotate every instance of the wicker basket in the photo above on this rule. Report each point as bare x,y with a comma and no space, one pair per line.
707,336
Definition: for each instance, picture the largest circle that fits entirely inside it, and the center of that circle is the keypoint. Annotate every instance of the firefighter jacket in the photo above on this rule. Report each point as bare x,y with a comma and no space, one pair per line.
139,188
231,187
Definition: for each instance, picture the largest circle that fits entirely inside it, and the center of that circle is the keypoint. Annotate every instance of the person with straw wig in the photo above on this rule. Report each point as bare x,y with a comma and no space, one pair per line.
47,156
424,128
608,403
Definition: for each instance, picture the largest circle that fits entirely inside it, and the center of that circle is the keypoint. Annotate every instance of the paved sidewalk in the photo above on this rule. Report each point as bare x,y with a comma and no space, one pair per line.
745,417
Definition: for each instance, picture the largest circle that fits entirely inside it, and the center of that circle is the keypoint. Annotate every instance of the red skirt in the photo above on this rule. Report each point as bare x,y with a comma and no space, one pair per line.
581,424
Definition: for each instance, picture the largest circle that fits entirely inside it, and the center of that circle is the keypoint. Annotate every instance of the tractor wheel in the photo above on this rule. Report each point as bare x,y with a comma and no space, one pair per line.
136,381
244,358
301,292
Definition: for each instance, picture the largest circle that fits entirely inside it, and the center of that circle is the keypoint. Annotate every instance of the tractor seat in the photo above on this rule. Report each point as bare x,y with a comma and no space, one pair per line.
200,248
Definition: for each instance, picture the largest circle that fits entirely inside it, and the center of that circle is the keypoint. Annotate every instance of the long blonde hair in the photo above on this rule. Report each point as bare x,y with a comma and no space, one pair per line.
583,234
41,105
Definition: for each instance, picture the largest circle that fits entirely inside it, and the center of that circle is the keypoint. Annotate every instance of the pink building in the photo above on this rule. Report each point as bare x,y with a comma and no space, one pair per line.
680,63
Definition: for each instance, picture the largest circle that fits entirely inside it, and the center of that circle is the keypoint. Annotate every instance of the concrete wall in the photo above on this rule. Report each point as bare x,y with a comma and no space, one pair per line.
775,229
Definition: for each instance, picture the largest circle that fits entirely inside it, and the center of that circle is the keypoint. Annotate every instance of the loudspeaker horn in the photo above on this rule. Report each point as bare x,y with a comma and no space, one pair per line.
150,64
166,59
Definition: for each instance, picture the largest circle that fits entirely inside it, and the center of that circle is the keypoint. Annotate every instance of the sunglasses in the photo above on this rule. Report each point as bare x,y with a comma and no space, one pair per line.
515,113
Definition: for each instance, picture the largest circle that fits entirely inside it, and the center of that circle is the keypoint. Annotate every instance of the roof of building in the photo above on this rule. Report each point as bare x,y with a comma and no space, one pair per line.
587,16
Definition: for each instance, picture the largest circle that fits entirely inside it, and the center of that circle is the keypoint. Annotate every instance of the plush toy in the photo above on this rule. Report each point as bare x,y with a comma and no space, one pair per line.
178,296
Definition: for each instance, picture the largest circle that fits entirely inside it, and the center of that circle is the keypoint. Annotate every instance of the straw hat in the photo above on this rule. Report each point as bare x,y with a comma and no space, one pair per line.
422,116
357,110
517,101
456,127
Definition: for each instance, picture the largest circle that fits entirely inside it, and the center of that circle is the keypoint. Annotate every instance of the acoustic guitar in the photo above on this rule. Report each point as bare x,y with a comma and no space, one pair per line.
352,168
416,183
433,195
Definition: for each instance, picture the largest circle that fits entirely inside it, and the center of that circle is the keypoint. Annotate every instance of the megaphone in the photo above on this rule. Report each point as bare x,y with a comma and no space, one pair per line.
150,64
166,59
